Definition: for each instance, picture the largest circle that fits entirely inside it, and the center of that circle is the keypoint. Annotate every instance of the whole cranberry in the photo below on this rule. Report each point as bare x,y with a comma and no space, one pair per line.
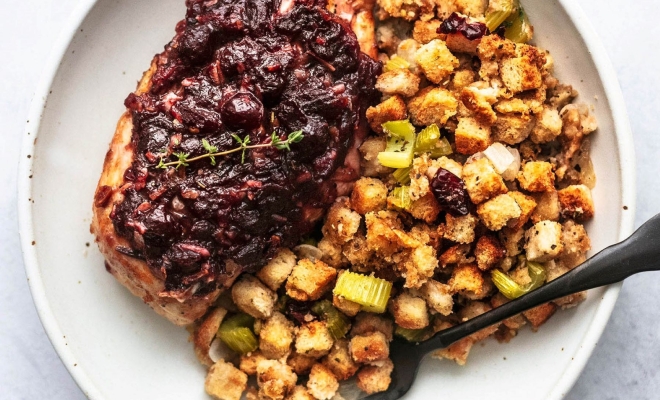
450,192
242,111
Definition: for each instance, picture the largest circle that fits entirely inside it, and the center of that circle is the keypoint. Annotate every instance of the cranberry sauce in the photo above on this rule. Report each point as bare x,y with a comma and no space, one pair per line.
248,68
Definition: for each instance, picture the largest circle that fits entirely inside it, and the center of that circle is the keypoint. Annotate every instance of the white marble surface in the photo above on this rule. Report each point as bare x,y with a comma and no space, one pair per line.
626,363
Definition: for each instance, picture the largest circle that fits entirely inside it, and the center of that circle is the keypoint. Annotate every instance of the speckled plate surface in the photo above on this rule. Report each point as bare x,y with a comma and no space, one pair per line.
117,348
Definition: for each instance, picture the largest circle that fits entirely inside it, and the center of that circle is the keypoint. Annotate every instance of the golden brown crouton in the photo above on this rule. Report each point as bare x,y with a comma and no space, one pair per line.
249,362
425,208
369,150
314,339
276,336
341,222
547,207
576,244
381,236
468,281
537,176
472,310
494,47
512,128
438,297
462,78
398,81
409,312
392,109
497,212
275,379
301,364
366,323
425,31
368,195
544,241
479,102
576,203
458,43
406,50
473,8
253,297
432,105
420,266
225,382
482,181
322,383
310,280
339,360
512,241
457,352
520,74
539,315
548,126
346,306
369,347
455,255
488,252
278,269
205,333
527,206
300,393
460,229
436,61
407,10
332,253
374,379
471,136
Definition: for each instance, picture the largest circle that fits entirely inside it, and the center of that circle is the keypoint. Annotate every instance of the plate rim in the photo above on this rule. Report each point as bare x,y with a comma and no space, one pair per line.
596,327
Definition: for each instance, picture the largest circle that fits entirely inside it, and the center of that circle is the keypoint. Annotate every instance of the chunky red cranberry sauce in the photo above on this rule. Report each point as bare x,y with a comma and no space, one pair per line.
245,68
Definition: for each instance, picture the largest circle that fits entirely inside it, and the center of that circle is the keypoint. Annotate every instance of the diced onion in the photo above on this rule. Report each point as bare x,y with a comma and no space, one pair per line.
499,156
307,251
511,172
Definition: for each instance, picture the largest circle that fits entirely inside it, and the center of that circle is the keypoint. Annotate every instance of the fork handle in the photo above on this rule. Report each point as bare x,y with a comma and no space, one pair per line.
639,253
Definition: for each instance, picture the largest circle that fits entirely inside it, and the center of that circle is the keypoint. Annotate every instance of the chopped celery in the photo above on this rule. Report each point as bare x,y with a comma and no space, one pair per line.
400,197
400,144
498,12
518,27
429,141
237,334
368,291
396,62
537,274
402,175
413,335
338,324
442,148
512,290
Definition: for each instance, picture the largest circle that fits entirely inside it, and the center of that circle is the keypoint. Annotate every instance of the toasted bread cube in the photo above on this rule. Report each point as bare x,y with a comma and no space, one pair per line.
473,8
392,109
512,128
420,266
537,316
341,223
488,252
497,212
576,244
482,181
339,360
455,255
512,239
369,347
369,150
300,393
204,334
457,352
366,323
515,322
346,306
458,43
548,126
322,383
547,207
278,269
438,297
381,237
314,339
225,382
462,78
468,281
398,81
253,297
576,203
406,50
249,362
520,74
425,31
537,176
409,312
544,241
479,102
374,379
332,253
471,136
472,310
425,208
276,336
368,195
460,229
275,379
300,363
310,280
432,105
436,61
527,206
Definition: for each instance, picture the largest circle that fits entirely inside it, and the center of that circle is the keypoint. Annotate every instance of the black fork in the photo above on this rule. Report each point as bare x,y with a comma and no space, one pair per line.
639,253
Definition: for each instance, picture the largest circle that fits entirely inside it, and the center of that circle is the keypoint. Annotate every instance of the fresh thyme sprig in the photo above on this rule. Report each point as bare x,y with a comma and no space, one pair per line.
244,145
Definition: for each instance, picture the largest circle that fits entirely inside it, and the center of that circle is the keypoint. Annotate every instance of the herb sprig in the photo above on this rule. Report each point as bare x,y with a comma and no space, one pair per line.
243,146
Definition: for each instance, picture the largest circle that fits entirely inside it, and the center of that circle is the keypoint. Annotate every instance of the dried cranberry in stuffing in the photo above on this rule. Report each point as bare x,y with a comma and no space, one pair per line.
450,192
457,23
300,311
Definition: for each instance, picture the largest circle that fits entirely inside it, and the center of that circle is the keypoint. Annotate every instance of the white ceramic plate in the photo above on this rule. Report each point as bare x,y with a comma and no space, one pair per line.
117,348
